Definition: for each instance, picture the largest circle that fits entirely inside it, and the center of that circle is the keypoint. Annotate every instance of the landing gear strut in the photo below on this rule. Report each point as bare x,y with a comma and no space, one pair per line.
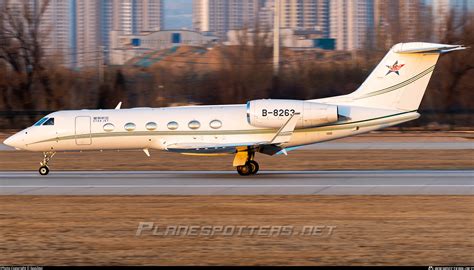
47,156
250,167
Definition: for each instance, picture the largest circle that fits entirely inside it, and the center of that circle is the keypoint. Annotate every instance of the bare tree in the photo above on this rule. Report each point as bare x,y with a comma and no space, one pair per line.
21,50
452,80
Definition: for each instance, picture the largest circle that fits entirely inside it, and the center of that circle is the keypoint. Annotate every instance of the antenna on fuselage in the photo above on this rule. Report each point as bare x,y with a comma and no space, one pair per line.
118,105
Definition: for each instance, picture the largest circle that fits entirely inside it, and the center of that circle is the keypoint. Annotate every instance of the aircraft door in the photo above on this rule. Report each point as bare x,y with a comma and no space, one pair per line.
83,130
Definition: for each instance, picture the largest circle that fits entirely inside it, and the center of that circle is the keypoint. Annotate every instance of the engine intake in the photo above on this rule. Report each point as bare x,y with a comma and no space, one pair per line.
273,113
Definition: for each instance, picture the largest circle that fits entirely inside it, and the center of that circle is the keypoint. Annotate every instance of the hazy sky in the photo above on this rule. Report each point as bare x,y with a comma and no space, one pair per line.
178,14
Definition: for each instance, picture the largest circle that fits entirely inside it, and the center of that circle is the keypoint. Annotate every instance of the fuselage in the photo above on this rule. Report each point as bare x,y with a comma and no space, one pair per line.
157,128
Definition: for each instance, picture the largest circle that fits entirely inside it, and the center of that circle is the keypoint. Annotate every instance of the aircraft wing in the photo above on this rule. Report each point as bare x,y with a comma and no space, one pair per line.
209,148
284,134
271,147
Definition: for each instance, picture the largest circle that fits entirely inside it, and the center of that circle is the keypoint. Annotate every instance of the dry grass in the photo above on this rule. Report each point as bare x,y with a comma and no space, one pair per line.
382,230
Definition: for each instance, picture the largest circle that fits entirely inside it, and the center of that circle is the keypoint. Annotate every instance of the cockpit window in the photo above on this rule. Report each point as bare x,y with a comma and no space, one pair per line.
50,122
41,121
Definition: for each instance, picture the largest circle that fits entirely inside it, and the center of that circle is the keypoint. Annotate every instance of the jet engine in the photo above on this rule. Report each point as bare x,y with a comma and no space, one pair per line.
273,113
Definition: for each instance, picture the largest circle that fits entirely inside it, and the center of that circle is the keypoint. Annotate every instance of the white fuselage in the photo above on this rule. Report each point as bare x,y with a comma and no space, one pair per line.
78,130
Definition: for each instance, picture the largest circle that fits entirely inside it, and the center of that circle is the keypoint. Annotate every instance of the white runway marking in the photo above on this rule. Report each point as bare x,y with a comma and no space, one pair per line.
409,182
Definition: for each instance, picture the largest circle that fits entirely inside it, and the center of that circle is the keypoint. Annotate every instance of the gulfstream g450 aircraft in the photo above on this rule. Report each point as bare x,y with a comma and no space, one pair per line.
390,95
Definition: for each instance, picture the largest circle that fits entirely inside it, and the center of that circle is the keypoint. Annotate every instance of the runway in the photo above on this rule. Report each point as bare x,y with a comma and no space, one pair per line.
403,182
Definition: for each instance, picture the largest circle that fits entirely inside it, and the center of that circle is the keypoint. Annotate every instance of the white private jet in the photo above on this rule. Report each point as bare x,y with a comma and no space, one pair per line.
390,95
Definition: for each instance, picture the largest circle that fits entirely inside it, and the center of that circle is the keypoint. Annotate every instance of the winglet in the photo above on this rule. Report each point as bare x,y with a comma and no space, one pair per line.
286,131
118,105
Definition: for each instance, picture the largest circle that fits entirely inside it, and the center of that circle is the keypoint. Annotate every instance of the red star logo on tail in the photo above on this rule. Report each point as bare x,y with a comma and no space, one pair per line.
394,68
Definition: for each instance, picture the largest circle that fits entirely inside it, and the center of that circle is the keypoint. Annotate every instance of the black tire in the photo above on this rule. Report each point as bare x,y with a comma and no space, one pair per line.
43,170
244,170
254,165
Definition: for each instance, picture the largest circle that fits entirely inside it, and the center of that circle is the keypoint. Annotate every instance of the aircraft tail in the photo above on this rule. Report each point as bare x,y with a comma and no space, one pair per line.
399,81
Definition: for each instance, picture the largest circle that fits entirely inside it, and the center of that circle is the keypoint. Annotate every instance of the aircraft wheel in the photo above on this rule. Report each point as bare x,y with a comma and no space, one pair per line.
244,170
254,165
43,170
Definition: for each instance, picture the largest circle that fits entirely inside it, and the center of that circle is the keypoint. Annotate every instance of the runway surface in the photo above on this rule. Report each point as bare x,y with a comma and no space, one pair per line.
404,182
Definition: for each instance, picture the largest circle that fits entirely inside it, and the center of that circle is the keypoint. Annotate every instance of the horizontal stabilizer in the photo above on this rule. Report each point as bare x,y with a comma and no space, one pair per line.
422,47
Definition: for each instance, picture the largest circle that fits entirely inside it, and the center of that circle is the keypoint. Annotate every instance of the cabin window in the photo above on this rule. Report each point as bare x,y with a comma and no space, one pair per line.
49,122
194,124
215,124
130,126
173,125
41,121
109,127
151,126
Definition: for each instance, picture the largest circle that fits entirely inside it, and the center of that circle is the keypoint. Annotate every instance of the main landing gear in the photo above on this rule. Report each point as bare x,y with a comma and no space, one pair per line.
251,166
44,169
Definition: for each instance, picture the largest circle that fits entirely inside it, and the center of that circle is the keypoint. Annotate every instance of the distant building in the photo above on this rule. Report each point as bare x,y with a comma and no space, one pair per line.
243,13
135,16
352,23
289,38
78,31
265,15
124,47
298,14
442,10
218,17
129,17
57,27
60,27
87,33
398,21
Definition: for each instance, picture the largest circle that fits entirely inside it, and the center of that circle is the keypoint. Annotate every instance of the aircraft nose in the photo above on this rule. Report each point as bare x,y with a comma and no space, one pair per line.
9,141
15,140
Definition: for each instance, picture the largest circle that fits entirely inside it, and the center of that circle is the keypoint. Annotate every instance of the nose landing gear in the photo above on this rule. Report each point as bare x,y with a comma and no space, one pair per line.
47,156
43,170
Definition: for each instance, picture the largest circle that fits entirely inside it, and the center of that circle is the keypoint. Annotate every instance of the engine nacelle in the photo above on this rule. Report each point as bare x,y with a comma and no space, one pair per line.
273,113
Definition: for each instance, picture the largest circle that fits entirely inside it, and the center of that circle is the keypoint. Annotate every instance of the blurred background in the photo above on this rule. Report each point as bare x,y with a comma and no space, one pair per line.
88,54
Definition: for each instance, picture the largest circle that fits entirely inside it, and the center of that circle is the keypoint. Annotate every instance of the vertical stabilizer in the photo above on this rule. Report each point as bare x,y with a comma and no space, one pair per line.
399,81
